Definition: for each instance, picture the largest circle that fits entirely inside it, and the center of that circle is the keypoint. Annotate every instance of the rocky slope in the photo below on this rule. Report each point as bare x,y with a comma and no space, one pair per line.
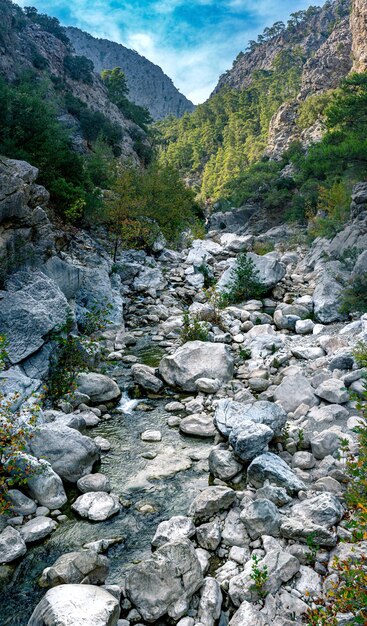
359,29
148,86
25,45
271,487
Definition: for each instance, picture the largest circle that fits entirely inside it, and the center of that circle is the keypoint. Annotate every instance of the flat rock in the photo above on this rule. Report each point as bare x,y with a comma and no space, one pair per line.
37,528
293,391
270,467
324,510
333,390
198,425
174,529
211,501
93,482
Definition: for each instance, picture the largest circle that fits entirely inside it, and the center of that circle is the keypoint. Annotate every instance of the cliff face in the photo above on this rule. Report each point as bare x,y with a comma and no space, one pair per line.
23,44
148,86
358,23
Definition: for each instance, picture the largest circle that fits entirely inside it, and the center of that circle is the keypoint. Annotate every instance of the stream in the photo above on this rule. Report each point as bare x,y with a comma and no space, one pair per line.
167,484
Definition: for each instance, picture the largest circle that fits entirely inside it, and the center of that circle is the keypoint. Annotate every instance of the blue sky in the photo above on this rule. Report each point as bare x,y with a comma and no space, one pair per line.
194,41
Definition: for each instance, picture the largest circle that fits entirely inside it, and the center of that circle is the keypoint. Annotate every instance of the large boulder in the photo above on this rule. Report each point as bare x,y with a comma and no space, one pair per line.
37,528
150,280
323,509
145,377
327,297
71,605
269,271
211,501
84,567
174,529
96,506
31,308
194,360
271,467
172,574
71,454
98,387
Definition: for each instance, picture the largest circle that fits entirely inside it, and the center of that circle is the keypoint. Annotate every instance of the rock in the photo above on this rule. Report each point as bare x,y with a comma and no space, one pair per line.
230,416
96,506
234,532
211,501
281,567
46,486
12,545
223,465
37,528
209,536
307,353
261,517
195,360
277,495
333,390
71,454
327,298
304,327
173,573
199,425
174,529
151,436
308,582
303,460
208,385
323,510
271,467
145,377
151,280
102,443
98,387
31,308
20,503
269,271
93,482
247,615
300,529
210,604
202,251
293,391
325,443
76,604
251,440
85,567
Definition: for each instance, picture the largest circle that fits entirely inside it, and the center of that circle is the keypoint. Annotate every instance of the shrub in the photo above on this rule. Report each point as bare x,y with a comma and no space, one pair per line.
96,319
332,211
260,576
47,23
263,247
193,329
209,279
354,296
244,282
79,68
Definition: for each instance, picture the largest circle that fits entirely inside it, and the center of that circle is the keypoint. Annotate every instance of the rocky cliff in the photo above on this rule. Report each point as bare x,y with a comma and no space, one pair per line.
25,45
148,86
359,29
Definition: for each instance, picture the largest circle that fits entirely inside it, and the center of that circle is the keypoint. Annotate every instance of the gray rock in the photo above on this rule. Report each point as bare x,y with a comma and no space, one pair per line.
304,460
93,482
271,467
211,501
198,425
293,391
304,327
31,308
210,604
96,506
71,454
247,615
327,298
261,517
324,510
208,536
277,495
300,529
174,529
208,385
171,574
195,360
145,377
223,464
150,280
37,528
20,503
98,387
234,532
251,440
152,436
86,567
76,604
46,486
324,444
231,415
333,390
12,545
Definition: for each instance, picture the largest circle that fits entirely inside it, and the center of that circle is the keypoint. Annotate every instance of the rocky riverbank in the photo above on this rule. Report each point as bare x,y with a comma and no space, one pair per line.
256,414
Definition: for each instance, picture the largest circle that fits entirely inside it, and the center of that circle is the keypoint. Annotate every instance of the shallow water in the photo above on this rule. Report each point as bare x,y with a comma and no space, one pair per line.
130,478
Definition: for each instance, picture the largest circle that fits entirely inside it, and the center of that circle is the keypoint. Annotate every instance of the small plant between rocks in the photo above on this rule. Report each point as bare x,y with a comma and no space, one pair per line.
193,329
260,575
245,283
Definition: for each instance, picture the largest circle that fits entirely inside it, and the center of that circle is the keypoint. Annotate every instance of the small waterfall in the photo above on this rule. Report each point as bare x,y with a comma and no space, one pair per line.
126,404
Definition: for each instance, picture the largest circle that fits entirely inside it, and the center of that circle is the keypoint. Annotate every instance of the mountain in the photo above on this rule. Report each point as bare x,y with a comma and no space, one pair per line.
148,86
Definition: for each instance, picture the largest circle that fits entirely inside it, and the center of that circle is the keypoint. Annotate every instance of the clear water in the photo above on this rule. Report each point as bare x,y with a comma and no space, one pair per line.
129,475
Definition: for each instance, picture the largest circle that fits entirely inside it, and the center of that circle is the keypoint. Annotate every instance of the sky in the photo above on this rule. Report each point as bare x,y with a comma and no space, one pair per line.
193,41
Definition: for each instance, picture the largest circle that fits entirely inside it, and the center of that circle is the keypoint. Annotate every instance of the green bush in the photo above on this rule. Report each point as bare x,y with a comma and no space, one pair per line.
79,68
332,211
193,329
354,296
47,23
118,90
244,282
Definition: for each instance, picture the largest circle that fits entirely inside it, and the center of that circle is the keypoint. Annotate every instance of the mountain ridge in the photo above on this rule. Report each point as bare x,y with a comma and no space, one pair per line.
149,86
